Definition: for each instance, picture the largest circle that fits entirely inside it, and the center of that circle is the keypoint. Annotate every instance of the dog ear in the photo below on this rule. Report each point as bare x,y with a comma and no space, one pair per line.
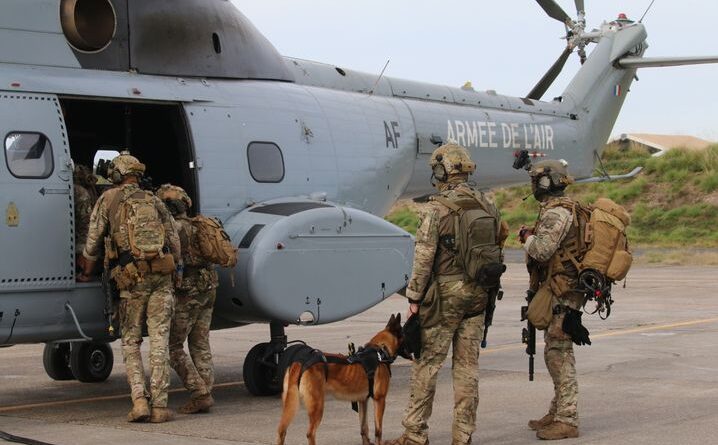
398,318
390,322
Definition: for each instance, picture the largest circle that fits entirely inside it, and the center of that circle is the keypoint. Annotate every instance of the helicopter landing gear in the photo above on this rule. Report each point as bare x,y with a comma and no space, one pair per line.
261,366
91,362
86,362
56,360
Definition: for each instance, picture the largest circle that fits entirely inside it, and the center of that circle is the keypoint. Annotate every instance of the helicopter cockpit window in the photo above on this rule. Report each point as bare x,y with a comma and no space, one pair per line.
266,163
28,155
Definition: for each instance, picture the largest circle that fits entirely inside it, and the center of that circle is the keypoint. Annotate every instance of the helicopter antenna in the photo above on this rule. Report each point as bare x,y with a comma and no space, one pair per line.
371,92
647,9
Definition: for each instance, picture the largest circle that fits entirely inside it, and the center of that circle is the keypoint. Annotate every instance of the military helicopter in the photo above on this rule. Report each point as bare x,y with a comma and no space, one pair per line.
299,159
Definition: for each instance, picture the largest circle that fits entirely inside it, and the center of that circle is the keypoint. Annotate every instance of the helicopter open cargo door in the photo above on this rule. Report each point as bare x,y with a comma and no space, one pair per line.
36,238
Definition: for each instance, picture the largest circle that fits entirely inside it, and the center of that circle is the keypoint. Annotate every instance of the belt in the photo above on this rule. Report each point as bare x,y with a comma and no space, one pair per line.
449,278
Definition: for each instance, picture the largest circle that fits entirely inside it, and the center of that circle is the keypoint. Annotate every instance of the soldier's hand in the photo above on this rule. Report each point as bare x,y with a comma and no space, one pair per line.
413,309
524,233
83,278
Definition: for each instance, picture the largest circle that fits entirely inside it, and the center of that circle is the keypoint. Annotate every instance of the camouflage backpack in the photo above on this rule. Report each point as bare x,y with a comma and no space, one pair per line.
477,232
213,242
138,229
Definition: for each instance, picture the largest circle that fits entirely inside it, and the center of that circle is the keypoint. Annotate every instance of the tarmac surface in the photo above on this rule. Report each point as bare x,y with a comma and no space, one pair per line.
650,377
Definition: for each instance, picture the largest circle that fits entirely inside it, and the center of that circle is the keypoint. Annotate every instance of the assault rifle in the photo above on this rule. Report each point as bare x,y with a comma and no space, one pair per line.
494,294
528,334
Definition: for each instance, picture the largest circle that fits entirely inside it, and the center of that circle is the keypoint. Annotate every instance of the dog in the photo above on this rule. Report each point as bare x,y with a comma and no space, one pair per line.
311,374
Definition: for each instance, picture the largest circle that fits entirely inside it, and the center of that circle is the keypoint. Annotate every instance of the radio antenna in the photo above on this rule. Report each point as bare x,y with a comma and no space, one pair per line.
371,92
647,9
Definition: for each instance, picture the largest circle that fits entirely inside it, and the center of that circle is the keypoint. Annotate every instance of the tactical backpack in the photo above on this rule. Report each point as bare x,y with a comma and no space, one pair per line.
477,228
213,242
605,236
139,229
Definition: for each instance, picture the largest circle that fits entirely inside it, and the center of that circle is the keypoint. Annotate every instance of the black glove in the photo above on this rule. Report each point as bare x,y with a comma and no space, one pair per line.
410,348
573,327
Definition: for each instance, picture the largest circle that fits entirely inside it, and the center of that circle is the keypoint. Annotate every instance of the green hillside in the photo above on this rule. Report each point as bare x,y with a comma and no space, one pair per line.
673,201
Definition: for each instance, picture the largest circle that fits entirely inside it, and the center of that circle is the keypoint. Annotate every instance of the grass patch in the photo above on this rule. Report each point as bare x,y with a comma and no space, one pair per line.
405,218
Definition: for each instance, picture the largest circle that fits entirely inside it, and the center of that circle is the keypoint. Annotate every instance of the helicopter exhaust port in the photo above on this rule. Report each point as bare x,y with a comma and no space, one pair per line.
88,25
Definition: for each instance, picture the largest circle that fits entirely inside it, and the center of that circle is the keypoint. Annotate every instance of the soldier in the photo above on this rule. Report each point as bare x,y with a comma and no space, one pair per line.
85,198
141,249
547,246
452,309
193,313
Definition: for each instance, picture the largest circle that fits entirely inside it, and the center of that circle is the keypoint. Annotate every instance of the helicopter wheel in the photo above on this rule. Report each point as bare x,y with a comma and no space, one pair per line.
91,362
56,360
260,374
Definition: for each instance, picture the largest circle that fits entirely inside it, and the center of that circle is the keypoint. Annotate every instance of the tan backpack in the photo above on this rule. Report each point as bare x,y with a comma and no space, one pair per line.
605,236
139,229
213,242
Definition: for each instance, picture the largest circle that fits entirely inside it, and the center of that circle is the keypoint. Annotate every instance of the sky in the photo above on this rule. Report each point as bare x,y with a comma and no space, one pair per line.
504,46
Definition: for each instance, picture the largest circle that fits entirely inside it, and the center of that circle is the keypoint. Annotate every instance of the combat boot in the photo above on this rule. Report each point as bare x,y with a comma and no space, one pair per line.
404,440
541,423
161,415
557,431
199,405
140,411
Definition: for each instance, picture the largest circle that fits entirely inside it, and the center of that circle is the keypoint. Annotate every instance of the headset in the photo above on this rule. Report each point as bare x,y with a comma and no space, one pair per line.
113,174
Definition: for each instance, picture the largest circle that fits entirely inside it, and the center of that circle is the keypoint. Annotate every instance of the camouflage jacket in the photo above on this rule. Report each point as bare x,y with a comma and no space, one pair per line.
199,276
100,221
84,204
552,226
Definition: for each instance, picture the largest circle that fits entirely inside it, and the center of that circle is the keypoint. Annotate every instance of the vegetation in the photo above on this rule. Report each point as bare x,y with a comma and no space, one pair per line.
673,202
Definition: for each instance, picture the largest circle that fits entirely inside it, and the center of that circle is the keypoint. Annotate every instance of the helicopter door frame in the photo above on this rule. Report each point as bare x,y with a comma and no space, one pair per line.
37,233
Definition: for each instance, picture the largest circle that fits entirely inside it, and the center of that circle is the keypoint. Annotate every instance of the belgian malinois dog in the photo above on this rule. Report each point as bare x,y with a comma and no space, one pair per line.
311,374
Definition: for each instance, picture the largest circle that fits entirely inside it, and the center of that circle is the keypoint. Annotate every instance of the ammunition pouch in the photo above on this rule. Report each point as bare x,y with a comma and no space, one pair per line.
163,265
126,277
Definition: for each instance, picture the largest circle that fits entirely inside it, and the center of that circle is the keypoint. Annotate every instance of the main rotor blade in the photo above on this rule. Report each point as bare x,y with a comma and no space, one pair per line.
554,10
540,89
649,62
579,7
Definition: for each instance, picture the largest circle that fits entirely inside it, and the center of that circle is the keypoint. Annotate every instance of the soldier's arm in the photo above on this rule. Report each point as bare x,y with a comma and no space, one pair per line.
550,232
97,230
171,236
427,238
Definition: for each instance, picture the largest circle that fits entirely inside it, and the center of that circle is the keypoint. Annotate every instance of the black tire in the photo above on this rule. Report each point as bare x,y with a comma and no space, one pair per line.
259,377
91,362
56,360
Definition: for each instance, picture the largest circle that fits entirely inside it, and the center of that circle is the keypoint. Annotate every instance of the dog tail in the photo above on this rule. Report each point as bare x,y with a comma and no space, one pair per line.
290,399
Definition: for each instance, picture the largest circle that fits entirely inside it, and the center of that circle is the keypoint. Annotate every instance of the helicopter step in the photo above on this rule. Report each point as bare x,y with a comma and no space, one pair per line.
87,362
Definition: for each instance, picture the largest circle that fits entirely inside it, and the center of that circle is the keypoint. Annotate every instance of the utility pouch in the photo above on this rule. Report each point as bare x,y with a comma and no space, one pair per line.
164,264
430,309
540,310
126,277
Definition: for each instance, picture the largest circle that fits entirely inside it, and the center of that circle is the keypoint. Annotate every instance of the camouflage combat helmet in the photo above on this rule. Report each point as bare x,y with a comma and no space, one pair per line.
550,176
451,159
125,165
169,192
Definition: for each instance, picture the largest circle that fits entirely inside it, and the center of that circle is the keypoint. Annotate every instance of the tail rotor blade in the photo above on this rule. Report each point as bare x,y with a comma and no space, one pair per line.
543,85
554,11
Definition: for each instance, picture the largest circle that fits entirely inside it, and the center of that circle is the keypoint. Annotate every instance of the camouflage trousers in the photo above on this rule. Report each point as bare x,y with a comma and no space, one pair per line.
457,301
150,301
561,365
191,322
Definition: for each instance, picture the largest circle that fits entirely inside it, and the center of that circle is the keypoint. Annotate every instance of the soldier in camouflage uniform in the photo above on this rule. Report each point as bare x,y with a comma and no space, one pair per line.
455,317
149,300
193,314
546,246
85,198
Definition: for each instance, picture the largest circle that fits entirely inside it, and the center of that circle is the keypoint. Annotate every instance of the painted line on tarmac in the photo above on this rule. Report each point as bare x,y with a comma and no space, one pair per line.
96,399
508,347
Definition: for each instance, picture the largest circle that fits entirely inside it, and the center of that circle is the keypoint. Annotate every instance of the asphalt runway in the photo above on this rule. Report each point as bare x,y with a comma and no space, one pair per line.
650,377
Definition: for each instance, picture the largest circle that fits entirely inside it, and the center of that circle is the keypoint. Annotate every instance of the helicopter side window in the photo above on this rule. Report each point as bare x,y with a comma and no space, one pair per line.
29,155
266,162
